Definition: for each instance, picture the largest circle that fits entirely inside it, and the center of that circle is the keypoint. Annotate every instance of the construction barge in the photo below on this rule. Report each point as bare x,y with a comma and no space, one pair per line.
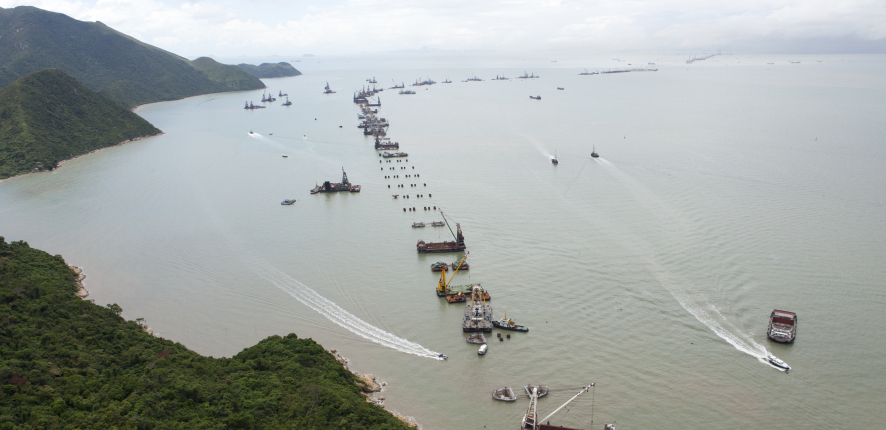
334,187
457,293
478,314
436,247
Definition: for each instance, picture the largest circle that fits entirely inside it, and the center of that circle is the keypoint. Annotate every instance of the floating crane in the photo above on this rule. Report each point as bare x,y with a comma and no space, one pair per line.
443,285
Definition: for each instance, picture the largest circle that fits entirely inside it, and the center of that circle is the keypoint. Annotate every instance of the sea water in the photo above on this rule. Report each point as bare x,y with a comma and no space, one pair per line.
724,189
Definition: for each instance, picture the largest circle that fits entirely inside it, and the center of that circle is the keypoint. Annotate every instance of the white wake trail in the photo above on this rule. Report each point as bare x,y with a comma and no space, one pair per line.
693,302
336,314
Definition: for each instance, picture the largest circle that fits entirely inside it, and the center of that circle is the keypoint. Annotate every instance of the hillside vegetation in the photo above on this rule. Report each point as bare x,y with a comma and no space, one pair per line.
270,70
119,67
48,116
66,363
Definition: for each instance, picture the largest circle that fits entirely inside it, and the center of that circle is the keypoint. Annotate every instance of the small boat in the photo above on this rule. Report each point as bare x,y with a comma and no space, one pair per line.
439,266
441,356
505,394
418,224
542,390
287,202
476,338
509,324
482,350
438,223
782,326
594,153
285,156
554,160
535,97
250,132
288,103
777,362
559,88
464,266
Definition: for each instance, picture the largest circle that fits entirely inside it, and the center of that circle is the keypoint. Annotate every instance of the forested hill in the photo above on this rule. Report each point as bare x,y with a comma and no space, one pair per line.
48,116
66,363
119,67
270,70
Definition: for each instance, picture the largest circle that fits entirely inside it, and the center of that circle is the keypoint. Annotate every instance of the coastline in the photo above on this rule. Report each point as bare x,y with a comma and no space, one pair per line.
59,164
370,385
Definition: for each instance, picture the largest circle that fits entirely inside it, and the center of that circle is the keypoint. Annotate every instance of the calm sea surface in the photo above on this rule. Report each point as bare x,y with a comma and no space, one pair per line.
725,189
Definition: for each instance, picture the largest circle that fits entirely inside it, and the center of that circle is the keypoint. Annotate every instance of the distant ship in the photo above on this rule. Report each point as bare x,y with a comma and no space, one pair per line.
594,153
328,90
586,73
535,97
447,81
527,76
288,103
372,80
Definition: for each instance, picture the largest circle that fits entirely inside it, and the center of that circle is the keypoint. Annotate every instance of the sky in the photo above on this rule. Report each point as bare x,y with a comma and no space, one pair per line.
341,27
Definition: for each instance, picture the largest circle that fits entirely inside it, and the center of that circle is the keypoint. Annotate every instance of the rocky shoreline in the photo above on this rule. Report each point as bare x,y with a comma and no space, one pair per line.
370,385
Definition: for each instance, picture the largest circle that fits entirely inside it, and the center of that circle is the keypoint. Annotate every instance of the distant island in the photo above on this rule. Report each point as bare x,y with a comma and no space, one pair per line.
117,66
67,363
47,116
270,70
308,55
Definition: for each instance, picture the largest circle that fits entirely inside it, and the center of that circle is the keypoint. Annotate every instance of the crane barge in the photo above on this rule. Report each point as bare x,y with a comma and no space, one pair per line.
458,293
434,247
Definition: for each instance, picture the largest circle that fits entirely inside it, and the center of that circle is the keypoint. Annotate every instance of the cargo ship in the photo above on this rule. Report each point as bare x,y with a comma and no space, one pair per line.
334,187
782,326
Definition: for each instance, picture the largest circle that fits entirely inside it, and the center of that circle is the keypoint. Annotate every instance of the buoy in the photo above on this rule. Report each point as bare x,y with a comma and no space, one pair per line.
381,168
500,339
389,186
498,334
435,208
426,184
404,209
509,336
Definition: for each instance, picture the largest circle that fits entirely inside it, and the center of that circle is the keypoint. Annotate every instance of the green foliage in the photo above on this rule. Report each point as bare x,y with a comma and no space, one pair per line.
66,363
119,67
270,70
48,116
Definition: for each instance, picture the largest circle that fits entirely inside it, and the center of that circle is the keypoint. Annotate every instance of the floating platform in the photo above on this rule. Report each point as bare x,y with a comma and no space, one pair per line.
334,187
505,394
394,154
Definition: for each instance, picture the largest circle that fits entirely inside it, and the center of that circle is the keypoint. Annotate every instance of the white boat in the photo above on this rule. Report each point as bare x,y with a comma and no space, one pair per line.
285,156
483,349
777,362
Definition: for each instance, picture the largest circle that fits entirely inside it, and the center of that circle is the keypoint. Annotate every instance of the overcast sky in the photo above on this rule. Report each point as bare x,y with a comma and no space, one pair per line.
286,27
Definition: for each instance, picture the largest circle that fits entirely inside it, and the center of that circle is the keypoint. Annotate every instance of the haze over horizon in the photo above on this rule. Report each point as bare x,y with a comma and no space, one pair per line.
265,27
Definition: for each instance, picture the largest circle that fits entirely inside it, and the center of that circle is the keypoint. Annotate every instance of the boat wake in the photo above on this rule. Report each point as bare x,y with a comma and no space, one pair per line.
336,314
692,300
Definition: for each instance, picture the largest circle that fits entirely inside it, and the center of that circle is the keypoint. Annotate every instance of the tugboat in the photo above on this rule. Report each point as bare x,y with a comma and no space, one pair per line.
535,97
554,160
508,324
287,202
288,103
777,362
594,153
328,90
782,326
505,394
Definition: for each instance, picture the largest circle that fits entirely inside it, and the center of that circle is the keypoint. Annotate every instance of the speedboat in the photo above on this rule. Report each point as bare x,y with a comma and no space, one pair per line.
285,156
777,362
483,349
441,356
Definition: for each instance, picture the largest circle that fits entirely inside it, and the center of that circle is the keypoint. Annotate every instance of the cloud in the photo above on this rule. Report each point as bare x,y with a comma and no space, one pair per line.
261,27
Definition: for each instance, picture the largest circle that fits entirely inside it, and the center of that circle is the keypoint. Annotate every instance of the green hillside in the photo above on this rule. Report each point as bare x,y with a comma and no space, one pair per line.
47,116
66,363
270,70
117,66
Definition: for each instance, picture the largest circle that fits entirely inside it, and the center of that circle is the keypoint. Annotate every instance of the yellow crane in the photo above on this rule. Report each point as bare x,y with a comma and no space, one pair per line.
443,285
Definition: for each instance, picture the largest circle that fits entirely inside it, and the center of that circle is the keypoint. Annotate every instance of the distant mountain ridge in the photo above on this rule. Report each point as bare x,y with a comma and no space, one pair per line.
270,70
48,116
117,66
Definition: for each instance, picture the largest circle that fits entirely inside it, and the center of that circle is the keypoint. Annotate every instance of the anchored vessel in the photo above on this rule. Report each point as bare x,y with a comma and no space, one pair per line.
328,89
439,266
431,247
535,97
249,105
505,394
288,103
782,326
394,154
476,338
333,187
478,314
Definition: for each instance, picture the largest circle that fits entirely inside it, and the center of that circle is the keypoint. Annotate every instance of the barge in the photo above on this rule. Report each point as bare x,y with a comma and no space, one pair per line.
505,394
435,247
782,326
394,154
334,187
382,145
478,314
